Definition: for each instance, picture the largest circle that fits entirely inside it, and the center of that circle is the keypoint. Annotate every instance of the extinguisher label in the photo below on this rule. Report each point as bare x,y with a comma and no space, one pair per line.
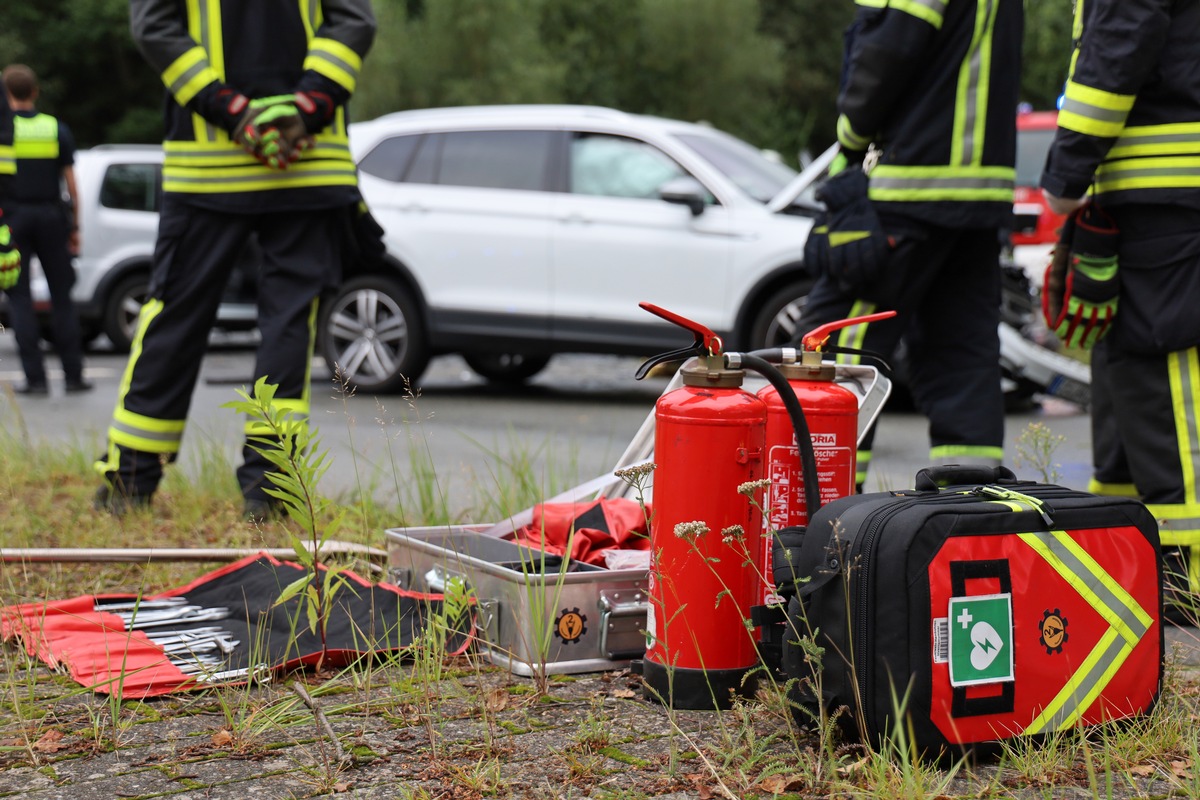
835,478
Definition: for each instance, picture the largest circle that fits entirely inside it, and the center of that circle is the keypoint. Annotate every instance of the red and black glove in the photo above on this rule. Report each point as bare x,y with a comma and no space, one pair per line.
1082,283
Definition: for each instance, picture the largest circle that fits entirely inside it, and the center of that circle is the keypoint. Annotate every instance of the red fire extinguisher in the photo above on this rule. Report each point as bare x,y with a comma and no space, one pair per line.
831,415
708,442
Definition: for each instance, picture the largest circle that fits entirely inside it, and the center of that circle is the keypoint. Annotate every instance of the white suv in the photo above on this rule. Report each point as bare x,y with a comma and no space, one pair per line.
513,233
524,231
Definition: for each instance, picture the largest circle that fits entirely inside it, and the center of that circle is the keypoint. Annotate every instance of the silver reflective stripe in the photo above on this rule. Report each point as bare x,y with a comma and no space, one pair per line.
1185,404
179,83
330,58
142,433
974,68
1114,607
278,177
205,24
1070,709
1076,106
883,182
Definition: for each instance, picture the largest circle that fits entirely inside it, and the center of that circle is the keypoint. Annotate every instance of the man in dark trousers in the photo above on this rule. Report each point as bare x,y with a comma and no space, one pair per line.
923,187
1125,153
256,143
46,227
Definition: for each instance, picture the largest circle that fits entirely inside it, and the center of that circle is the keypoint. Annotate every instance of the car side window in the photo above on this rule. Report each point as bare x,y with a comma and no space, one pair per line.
390,158
132,187
616,166
495,159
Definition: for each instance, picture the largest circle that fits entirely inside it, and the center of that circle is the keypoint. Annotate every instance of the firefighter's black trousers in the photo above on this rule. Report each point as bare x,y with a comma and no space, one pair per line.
194,256
944,284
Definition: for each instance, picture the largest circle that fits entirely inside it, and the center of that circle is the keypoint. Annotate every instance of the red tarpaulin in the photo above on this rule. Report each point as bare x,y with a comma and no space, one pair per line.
223,627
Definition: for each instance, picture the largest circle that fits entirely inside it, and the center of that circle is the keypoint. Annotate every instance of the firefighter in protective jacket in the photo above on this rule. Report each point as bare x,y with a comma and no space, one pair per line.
256,143
930,88
1127,141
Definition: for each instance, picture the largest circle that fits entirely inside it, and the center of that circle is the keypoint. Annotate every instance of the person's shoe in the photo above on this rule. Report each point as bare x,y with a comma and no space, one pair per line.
33,389
116,502
259,511
79,385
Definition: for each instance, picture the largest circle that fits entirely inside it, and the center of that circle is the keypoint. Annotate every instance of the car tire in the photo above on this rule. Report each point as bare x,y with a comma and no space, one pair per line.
780,319
121,308
506,368
371,333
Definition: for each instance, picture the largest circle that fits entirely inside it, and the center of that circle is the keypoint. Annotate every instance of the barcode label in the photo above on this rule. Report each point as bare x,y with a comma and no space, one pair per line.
941,640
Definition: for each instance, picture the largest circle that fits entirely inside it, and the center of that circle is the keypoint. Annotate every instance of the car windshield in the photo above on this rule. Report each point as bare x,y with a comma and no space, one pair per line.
750,170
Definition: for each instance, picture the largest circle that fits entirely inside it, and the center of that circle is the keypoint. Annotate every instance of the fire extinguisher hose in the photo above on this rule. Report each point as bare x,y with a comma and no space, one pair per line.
808,458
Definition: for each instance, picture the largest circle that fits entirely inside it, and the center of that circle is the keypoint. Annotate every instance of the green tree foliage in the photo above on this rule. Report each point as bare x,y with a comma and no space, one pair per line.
766,70
805,104
1047,52
91,73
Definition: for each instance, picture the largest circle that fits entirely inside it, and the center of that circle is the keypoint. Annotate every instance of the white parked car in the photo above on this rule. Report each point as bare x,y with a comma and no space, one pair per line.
513,233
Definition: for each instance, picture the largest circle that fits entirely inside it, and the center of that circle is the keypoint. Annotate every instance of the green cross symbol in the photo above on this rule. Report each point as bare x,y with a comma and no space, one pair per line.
981,632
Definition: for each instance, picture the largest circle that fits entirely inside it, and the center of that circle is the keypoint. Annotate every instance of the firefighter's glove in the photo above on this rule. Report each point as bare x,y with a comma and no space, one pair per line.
272,131
10,259
1082,282
855,244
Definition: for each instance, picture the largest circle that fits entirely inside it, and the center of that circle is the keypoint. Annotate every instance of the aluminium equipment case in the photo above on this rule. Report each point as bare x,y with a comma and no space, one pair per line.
532,615
985,607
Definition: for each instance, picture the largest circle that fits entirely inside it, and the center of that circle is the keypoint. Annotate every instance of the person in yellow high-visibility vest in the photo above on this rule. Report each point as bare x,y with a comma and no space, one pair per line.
45,226
1127,142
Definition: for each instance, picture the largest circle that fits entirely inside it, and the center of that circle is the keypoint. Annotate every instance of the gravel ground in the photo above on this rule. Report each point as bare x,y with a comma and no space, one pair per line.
482,732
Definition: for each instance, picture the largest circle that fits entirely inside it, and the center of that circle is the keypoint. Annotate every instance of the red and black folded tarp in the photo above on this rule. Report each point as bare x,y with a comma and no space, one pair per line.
223,627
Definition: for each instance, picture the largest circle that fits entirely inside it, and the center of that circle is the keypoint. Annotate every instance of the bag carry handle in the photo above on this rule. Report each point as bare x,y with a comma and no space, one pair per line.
931,479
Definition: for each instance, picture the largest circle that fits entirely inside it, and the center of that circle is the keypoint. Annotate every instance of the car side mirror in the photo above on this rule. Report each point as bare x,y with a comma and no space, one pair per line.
684,191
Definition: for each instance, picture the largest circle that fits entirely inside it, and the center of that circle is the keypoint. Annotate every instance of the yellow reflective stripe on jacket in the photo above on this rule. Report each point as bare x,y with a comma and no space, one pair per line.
1128,623
335,61
35,137
1170,139
188,74
871,3
848,137
931,11
8,160
970,101
204,167
1148,173
1093,111
900,183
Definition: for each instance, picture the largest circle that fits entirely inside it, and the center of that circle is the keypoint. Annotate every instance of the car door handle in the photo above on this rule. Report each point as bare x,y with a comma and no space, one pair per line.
575,218
415,208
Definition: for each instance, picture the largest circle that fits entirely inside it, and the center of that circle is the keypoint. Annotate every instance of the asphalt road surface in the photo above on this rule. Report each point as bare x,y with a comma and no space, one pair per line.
570,424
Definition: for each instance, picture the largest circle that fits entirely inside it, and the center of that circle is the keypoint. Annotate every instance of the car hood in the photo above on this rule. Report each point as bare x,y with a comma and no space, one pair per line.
807,177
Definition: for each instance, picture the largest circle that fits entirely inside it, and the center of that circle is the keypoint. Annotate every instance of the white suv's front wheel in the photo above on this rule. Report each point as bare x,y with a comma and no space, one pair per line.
371,335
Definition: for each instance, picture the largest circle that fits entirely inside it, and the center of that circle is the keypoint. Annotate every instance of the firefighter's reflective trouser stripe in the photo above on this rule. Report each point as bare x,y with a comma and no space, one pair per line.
1156,408
194,256
946,285
212,162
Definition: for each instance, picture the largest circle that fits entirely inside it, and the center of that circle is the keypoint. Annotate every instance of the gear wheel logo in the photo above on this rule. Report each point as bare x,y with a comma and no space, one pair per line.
1054,631
570,626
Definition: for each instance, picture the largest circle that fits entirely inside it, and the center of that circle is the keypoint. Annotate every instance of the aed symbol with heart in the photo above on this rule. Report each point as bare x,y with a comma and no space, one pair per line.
986,645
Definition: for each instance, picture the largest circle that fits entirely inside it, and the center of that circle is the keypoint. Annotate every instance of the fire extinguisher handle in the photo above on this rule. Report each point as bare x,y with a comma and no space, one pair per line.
817,337
705,342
